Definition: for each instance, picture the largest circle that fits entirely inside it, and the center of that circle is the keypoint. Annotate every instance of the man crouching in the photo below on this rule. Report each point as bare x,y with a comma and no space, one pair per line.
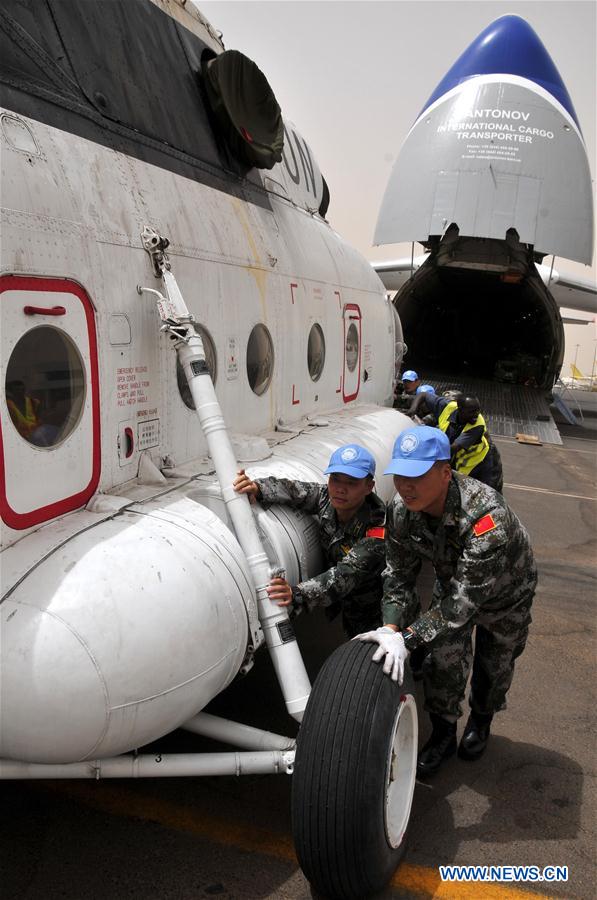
351,521
485,579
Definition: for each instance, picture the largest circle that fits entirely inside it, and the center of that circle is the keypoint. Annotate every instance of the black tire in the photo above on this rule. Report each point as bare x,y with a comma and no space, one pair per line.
342,778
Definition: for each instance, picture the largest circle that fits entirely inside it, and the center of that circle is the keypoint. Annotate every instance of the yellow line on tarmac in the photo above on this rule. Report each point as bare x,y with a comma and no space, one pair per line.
420,881
122,802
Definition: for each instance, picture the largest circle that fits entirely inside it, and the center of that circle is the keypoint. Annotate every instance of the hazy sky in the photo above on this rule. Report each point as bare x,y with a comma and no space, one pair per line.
353,77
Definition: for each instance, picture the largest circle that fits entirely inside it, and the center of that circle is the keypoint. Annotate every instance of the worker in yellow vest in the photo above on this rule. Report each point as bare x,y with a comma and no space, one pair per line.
23,409
473,452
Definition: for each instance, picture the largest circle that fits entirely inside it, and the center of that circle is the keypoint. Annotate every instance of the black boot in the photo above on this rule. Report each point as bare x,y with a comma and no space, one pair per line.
440,746
475,737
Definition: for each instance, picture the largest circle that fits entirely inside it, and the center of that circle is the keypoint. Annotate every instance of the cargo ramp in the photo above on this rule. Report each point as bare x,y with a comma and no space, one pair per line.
508,409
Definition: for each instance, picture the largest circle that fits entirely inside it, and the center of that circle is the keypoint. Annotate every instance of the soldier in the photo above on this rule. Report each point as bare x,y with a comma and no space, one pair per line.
406,389
351,531
411,381
419,407
485,579
425,389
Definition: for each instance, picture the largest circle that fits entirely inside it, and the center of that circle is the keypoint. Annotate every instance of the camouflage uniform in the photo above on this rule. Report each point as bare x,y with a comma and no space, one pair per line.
352,585
403,401
485,577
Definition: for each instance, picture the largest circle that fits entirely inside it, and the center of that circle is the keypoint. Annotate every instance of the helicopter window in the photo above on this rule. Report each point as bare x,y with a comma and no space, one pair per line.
210,359
45,386
352,347
316,352
260,359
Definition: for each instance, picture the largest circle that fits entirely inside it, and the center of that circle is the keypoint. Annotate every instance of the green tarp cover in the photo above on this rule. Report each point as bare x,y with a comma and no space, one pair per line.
246,109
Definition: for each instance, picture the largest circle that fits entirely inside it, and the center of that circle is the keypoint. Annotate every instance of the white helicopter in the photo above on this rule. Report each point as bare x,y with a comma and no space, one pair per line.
175,306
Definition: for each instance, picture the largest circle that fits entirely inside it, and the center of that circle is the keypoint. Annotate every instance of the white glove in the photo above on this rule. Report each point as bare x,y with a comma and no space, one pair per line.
391,645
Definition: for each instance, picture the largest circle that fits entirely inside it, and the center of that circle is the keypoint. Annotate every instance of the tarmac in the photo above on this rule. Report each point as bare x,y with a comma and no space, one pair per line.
530,800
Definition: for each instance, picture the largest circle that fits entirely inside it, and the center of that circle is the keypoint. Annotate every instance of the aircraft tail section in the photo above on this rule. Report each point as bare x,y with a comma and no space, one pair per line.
496,147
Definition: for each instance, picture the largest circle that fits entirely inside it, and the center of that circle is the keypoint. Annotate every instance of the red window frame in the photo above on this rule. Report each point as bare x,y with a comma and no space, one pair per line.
17,520
348,318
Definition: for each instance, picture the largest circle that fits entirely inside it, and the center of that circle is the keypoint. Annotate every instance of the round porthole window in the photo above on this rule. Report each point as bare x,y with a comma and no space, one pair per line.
316,352
45,386
210,359
260,359
352,347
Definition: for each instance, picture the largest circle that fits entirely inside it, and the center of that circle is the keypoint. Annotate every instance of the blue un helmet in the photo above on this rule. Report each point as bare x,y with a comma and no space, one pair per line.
409,375
353,460
425,389
416,450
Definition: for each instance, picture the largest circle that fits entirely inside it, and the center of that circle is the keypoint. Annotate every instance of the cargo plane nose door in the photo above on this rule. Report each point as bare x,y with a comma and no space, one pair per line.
49,399
352,352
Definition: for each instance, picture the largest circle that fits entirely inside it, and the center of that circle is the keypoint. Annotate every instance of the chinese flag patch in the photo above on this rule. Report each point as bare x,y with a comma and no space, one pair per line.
378,532
484,525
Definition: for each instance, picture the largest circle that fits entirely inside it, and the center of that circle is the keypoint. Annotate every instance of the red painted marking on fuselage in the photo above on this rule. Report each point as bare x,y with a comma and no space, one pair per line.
18,520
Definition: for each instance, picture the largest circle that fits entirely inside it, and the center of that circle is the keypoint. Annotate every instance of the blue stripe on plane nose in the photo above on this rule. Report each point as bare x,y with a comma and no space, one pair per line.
507,46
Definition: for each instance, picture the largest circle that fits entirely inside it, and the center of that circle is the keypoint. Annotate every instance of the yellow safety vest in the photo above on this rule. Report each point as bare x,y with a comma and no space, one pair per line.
24,423
465,460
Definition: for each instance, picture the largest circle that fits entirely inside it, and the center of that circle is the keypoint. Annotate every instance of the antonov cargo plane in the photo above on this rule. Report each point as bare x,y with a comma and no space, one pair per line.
493,177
